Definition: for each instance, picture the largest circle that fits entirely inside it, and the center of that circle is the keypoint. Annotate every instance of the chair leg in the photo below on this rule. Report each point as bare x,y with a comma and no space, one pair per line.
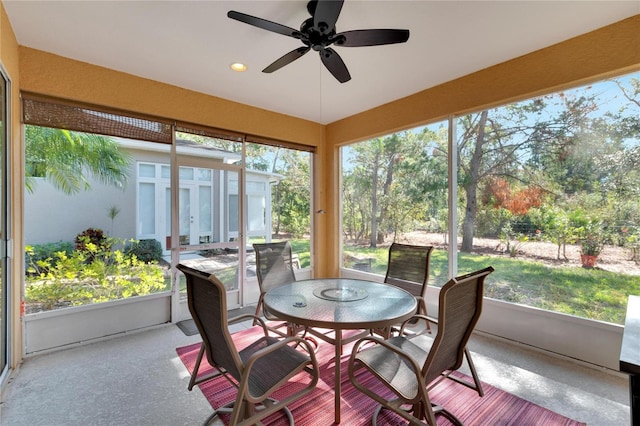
476,385
422,309
241,416
258,310
474,373
416,414
194,374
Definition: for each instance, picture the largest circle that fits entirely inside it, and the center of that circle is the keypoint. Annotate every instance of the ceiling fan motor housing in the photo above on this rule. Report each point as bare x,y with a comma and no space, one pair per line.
319,33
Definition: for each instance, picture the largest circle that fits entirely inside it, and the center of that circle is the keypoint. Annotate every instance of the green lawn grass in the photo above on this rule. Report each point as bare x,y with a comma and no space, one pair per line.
588,293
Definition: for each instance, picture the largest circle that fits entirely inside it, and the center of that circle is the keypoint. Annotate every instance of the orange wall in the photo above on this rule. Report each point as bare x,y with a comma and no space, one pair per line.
54,75
9,60
611,50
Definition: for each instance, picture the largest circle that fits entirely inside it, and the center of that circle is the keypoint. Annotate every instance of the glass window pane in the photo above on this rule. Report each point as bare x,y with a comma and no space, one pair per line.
395,189
185,216
256,212
204,174
208,223
4,184
206,213
233,213
167,213
548,185
279,197
147,170
146,208
113,201
186,173
253,186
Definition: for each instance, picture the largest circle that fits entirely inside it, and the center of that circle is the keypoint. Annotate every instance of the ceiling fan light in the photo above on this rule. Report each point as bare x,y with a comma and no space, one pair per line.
238,67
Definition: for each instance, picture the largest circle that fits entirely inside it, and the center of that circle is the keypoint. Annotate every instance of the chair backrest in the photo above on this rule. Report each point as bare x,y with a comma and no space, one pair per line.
408,268
274,265
460,306
207,299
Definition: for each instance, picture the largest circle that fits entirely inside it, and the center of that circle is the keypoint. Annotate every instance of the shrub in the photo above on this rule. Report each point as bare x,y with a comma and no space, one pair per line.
35,254
73,279
91,235
489,222
146,251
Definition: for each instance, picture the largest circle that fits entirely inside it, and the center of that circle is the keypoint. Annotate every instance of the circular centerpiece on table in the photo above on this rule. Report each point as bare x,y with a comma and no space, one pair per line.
341,294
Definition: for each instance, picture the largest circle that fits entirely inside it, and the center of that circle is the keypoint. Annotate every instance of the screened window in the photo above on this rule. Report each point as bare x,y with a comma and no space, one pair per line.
394,189
545,187
104,178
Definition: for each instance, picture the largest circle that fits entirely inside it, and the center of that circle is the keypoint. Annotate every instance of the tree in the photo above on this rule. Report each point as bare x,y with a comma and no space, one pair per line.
373,178
68,159
392,183
292,195
515,142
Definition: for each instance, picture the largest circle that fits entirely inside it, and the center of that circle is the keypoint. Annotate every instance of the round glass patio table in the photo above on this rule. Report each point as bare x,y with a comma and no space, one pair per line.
340,304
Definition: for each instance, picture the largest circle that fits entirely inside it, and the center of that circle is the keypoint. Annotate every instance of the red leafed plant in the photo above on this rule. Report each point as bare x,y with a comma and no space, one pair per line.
90,235
517,202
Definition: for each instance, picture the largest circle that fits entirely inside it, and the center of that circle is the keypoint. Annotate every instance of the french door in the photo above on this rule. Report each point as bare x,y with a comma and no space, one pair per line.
207,213
208,219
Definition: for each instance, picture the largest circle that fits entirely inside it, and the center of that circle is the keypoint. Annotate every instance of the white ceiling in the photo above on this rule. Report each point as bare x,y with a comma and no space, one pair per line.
192,43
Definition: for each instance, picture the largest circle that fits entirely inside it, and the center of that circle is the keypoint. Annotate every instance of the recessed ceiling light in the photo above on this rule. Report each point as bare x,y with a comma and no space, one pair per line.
237,66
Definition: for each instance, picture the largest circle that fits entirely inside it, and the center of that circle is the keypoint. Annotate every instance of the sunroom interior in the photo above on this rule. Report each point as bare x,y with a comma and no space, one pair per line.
607,52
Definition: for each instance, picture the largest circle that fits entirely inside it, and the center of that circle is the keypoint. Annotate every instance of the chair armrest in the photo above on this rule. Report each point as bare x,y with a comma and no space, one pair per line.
277,346
252,317
418,317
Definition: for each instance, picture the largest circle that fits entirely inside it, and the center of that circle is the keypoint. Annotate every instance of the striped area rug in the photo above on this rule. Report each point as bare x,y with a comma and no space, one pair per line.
316,409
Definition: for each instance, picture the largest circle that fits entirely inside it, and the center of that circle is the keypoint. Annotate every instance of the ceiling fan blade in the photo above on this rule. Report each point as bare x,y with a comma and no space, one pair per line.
326,15
357,38
335,65
264,24
286,59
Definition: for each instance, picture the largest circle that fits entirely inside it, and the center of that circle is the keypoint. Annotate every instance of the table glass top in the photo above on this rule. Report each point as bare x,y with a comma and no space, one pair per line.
340,303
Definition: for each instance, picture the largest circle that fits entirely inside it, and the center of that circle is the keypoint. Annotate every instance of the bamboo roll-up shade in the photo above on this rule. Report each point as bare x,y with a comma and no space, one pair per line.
57,113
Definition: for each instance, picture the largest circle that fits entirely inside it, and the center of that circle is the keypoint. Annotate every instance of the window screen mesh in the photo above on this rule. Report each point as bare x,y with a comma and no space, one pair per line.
55,113
43,111
209,132
280,144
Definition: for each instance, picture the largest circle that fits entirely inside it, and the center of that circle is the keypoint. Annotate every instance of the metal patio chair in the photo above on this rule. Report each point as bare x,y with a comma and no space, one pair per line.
258,370
410,365
408,269
274,267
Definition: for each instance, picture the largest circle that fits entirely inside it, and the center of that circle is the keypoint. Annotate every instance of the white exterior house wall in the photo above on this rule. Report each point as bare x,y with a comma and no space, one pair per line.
52,216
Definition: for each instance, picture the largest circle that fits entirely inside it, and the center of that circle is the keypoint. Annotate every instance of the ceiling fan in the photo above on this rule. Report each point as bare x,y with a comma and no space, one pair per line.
319,33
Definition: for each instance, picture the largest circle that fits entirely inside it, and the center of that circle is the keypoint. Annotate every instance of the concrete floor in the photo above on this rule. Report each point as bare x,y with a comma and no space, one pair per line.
137,379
